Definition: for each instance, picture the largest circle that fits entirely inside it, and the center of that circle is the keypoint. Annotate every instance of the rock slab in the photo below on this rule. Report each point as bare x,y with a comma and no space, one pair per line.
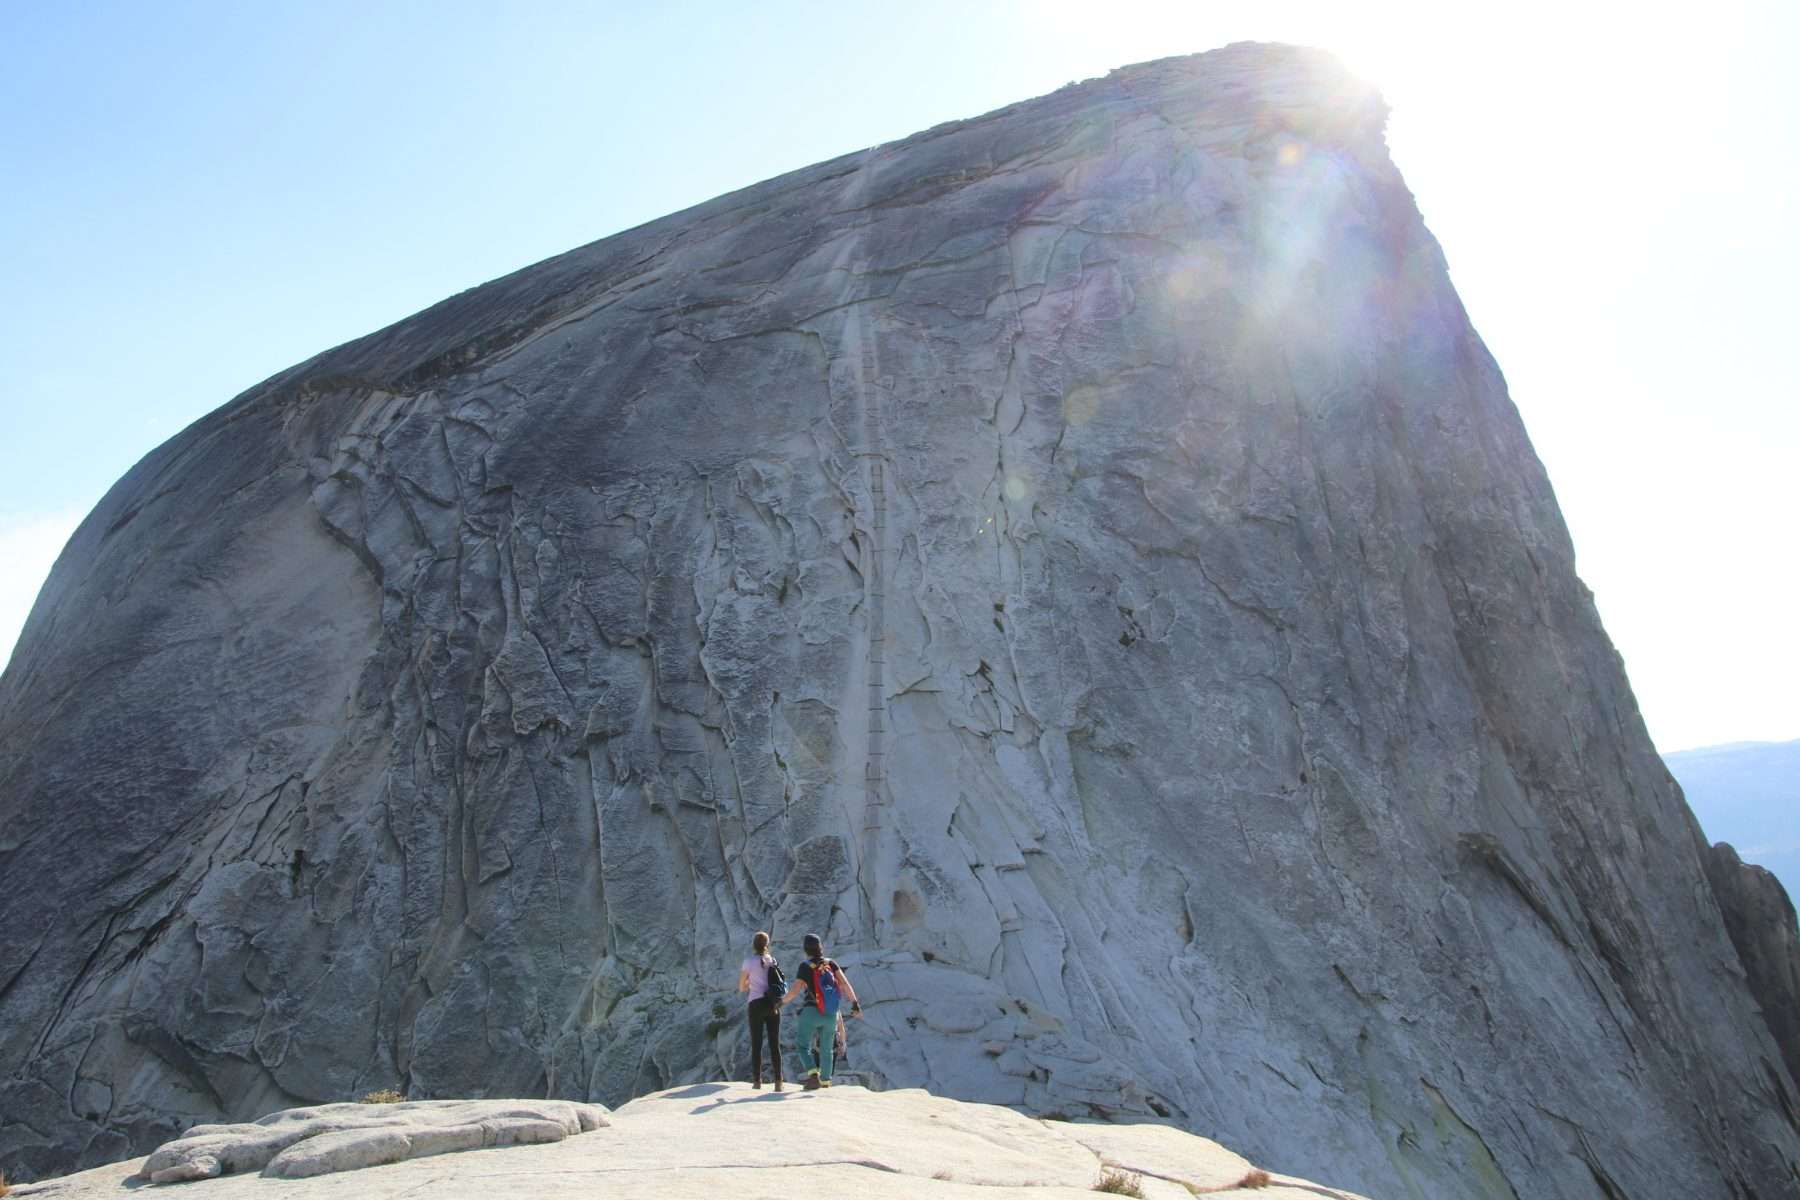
302,1142
1079,560
717,1139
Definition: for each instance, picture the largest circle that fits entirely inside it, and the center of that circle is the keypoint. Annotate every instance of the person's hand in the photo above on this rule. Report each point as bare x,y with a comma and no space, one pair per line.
856,1008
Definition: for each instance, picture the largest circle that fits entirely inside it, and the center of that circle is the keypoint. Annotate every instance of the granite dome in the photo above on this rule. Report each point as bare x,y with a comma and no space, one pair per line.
1081,560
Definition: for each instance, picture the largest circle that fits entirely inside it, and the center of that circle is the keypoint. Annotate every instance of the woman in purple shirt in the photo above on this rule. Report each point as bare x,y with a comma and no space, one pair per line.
763,1010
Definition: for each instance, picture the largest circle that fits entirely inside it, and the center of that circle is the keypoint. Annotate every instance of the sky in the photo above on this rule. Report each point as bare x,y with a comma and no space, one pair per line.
198,195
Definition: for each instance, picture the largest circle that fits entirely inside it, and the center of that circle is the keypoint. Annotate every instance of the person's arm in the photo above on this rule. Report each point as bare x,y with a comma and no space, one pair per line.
844,982
743,979
798,986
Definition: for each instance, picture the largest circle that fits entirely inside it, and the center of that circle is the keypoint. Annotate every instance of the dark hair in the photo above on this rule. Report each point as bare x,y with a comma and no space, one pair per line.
759,942
814,947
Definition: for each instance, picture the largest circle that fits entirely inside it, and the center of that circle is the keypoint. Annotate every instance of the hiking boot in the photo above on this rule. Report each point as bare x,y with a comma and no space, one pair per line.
812,1083
824,1083
778,1077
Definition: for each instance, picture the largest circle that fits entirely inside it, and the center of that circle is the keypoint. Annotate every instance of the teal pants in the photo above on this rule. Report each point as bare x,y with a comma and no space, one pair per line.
815,1025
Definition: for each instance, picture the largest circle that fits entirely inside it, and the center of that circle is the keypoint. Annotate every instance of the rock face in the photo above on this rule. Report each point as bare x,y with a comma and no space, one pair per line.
715,1139
1759,916
1080,560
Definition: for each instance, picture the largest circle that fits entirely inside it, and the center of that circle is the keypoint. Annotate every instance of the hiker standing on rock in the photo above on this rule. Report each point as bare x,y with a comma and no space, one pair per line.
760,977
826,987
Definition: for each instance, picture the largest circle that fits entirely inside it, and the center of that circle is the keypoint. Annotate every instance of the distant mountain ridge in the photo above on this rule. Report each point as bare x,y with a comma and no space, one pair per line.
1748,794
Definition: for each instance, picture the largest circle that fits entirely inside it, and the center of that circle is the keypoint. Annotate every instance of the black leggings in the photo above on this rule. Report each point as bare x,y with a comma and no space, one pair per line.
765,1020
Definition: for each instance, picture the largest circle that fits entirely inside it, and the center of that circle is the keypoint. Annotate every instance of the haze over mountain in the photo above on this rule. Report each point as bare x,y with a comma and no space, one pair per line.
1748,794
1080,560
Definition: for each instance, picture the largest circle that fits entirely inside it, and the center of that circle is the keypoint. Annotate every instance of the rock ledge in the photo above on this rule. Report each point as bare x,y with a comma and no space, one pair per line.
712,1139
301,1142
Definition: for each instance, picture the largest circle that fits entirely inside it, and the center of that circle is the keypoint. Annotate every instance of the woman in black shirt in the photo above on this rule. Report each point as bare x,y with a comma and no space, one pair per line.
826,987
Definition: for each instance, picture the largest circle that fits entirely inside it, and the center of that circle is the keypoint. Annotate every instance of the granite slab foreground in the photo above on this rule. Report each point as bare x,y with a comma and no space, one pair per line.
724,1139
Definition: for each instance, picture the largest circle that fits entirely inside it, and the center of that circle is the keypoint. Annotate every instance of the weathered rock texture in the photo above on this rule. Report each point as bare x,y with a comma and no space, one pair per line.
1759,916
1081,560
297,1143
715,1139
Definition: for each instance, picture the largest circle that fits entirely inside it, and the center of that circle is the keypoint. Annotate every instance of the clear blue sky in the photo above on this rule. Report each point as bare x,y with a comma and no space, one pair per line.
200,194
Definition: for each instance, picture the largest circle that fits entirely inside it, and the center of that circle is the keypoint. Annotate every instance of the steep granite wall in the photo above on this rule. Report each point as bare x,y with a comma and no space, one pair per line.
1080,560
1759,916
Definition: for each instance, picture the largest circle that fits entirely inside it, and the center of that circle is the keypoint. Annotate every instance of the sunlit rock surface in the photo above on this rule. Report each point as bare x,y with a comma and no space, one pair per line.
1080,560
298,1143
716,1139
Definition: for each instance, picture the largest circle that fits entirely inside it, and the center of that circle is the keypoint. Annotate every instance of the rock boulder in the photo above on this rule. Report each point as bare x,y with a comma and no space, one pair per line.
302,1142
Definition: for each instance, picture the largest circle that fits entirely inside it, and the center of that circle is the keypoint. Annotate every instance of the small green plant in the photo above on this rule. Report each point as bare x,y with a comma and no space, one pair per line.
384,1096
1120,1183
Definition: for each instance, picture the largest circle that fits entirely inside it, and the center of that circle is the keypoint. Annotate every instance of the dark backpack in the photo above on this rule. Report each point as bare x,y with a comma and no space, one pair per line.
777,983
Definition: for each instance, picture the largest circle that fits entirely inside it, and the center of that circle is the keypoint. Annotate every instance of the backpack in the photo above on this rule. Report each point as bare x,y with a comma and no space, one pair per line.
777,987
825,992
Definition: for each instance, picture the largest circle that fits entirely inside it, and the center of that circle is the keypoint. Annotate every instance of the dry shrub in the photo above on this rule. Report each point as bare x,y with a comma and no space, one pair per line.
941,1176
1120,1183
5,1187
1258,1178
384,1096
